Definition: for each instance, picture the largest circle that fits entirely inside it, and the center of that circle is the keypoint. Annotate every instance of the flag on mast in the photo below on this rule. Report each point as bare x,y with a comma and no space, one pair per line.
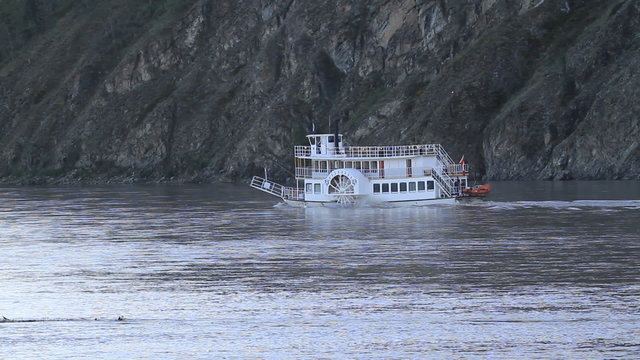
462,162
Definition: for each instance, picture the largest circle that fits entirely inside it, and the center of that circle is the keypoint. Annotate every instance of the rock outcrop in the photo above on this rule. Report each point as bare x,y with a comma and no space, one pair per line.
197,90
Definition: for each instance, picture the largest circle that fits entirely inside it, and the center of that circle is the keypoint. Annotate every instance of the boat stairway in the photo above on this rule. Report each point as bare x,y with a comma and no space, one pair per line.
270,187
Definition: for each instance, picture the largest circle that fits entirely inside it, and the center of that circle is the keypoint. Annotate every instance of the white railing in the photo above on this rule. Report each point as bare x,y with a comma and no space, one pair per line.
452,170
311,173
443,179
302,151
445,168
283,192
307,173
444,157
371,151
457,169
445,182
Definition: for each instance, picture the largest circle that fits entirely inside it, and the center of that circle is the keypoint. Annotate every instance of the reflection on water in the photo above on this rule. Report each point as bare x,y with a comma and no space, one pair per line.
537,270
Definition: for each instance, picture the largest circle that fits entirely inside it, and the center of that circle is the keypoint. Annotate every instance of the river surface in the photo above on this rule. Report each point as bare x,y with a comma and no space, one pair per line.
537,270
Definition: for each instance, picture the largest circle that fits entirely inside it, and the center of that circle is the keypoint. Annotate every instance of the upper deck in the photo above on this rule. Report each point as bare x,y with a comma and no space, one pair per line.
330,146
327,153
341,152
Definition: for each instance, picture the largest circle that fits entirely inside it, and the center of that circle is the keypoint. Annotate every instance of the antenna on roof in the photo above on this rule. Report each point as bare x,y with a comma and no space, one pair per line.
313,124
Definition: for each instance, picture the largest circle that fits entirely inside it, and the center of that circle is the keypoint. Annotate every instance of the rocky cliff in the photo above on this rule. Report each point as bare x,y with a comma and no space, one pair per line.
195,90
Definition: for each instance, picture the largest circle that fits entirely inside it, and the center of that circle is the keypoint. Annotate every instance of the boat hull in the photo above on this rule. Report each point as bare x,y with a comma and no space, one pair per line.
364,203
478,190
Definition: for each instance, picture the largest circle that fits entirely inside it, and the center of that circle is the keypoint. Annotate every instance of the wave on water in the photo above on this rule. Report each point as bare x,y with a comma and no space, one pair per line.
4,320
563,205
504,205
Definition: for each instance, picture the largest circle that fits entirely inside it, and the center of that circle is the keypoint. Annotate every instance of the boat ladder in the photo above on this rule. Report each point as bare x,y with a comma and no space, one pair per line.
443,180
275,189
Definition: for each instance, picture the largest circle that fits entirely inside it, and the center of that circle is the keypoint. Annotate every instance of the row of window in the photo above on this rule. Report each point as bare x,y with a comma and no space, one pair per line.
313,188
322,165
395,187
313,140
402,187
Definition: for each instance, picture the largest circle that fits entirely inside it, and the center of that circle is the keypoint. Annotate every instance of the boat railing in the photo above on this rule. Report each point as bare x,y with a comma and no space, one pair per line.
443,156
443,179
291,193
457,169
388,173
370,151
270,187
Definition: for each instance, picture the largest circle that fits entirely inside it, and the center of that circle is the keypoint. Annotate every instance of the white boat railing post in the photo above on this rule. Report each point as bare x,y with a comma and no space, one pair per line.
443,180
283,192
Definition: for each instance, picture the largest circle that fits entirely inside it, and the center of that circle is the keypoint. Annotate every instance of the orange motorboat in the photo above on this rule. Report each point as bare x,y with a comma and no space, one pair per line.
478,190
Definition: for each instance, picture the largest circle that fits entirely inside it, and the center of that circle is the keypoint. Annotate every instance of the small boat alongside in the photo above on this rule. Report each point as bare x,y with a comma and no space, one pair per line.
477,190
329,173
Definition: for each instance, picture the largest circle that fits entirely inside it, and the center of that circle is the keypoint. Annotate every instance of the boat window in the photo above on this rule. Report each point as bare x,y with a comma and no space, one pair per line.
385,188
348,164
312,140
331,138
323,165
403,187
365,165
356,164
394,187
309,188
376,188
338,164
374,165
412,186
317,189
463,183
420,185
430,185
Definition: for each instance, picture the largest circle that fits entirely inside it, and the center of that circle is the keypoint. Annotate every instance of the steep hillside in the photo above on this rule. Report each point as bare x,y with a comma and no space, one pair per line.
195,90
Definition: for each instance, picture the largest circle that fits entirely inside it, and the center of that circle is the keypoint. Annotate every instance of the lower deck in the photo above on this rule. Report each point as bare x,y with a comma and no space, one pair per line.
379,190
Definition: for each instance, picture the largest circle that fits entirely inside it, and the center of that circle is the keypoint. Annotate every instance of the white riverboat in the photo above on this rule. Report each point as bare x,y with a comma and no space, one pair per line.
329,174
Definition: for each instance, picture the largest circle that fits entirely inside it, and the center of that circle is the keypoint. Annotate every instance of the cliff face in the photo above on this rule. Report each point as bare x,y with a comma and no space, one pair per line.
196,90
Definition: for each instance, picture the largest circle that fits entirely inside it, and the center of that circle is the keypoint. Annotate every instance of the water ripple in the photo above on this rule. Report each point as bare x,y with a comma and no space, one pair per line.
218,271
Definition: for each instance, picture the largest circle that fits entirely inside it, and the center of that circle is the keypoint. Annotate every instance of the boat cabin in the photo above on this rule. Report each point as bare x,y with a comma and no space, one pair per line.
325,144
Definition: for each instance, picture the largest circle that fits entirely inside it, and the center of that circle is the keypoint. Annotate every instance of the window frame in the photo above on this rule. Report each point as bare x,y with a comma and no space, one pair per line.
406,188
431,185
422,186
